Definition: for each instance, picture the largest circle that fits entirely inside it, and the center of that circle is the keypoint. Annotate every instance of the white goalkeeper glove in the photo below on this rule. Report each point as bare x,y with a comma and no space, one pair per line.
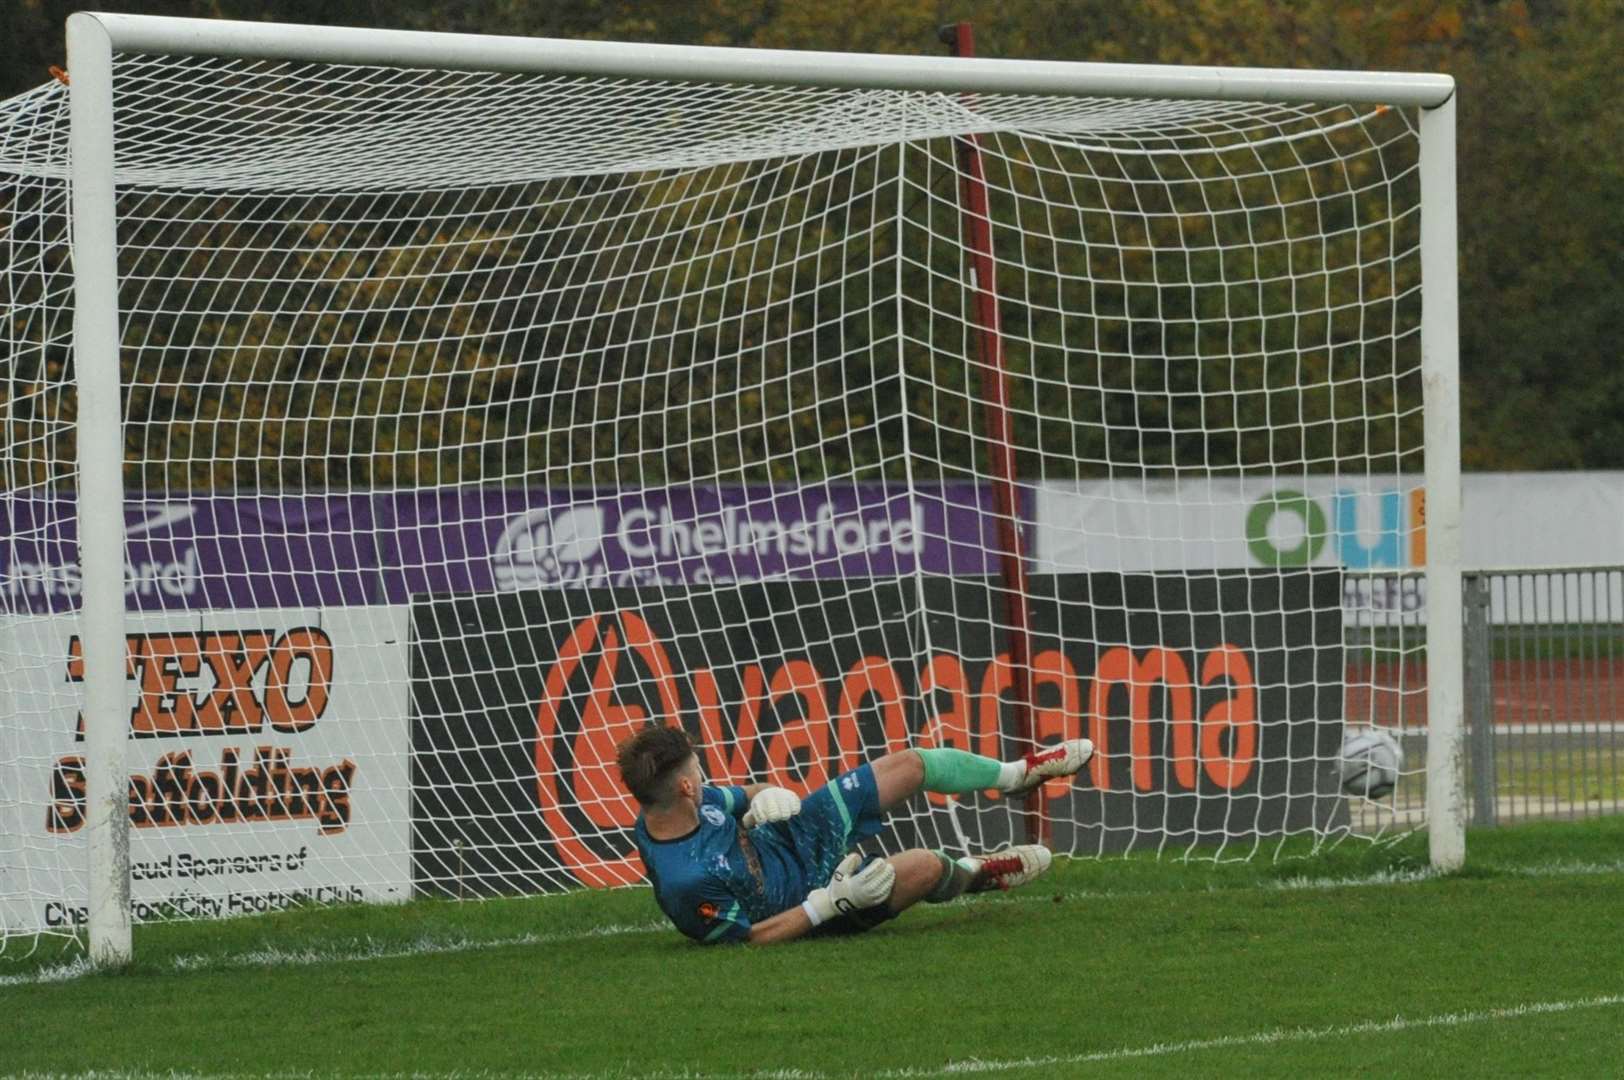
851,889
771,804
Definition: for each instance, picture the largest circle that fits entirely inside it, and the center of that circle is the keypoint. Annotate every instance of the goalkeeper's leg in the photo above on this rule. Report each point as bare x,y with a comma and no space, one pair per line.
902,775
935,878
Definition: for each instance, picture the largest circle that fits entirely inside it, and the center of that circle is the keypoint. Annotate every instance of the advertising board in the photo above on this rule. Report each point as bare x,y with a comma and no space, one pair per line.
1212,722
321,550
1374,527
481,540
308,550
267,764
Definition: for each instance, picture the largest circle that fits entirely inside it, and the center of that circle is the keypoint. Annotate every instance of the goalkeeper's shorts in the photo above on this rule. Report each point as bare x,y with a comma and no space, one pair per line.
835,818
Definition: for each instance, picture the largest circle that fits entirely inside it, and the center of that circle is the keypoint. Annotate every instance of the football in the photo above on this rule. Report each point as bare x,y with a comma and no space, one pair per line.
1371,761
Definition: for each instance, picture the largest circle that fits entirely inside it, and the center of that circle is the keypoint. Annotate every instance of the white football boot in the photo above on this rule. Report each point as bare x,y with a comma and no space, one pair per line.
1062,759
1009,868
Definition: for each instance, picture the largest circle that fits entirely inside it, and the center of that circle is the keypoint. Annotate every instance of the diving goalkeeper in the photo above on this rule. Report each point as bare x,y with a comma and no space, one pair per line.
758,864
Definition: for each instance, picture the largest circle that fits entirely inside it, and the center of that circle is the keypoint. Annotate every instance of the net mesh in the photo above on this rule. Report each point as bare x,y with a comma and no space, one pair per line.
473,420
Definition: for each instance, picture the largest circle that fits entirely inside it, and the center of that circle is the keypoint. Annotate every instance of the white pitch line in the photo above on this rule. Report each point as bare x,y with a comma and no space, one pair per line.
1262,1038
366,949
1036,895
271,956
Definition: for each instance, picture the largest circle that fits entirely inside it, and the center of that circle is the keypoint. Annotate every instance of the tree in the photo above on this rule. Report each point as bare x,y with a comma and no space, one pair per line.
1541,173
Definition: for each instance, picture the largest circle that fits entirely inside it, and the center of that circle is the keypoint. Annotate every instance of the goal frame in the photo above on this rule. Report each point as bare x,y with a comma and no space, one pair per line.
94,38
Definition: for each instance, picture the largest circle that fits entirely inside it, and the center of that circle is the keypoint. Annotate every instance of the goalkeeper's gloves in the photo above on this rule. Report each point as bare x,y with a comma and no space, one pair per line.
851,889
771,804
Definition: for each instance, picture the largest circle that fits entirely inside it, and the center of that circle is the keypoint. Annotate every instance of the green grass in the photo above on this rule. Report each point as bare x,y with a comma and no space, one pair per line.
1294,961
1583,775
1531,777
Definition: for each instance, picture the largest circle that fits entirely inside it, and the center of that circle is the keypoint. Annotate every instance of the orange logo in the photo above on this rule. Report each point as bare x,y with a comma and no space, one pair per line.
594,783
579,789
297,683
707,910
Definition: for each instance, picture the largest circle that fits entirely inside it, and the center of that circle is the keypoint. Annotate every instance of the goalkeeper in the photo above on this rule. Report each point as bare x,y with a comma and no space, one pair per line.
758,864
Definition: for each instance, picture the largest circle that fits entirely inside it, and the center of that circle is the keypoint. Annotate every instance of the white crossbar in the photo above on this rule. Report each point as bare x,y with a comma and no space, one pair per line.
402,48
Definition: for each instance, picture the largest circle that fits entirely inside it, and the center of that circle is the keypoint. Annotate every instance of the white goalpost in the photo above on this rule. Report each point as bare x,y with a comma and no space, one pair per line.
395,421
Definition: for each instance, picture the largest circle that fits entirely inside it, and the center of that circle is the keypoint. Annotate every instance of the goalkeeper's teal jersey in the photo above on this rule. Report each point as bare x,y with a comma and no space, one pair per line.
719,879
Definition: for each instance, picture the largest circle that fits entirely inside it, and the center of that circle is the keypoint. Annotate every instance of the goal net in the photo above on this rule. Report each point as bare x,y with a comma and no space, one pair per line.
472,419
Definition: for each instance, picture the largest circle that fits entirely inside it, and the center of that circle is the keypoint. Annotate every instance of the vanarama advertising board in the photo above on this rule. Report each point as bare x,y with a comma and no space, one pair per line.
1214,700
267,765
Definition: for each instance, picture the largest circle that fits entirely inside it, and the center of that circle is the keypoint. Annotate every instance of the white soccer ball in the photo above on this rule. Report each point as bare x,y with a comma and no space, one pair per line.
1371,760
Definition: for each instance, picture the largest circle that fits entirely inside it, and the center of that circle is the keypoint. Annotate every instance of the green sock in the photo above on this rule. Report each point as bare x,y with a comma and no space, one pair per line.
956,877
958,772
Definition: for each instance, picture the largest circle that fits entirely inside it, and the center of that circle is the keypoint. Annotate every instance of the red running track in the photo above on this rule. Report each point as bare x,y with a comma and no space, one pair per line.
1523,691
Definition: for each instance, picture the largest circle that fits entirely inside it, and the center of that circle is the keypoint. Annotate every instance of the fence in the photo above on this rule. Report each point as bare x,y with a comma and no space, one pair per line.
1544,696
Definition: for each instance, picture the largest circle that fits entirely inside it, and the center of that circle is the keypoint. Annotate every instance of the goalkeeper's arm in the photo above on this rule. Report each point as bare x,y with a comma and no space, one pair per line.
767,803
785,926
755,804
849,890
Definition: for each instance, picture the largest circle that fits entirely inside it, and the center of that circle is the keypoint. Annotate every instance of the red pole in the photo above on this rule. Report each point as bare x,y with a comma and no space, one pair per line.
1000,432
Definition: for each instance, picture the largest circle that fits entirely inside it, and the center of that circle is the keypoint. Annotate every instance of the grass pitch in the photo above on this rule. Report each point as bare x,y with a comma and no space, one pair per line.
1353,961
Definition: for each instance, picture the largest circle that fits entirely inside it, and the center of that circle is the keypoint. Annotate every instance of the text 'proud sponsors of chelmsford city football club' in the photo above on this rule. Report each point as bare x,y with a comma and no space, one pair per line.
266,764
518,701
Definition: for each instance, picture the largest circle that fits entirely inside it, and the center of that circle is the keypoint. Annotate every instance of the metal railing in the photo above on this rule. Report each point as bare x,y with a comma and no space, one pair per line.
1544,696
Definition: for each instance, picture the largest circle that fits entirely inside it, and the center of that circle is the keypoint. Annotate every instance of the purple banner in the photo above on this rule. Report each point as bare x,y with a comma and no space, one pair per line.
259,551
334,550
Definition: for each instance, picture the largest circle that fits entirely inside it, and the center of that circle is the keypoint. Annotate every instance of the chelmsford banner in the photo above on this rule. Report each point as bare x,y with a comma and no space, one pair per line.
320,550
267,764
221,552
486,540
1215,701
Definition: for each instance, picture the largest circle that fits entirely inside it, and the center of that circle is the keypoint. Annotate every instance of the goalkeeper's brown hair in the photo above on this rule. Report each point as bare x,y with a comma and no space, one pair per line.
648,759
